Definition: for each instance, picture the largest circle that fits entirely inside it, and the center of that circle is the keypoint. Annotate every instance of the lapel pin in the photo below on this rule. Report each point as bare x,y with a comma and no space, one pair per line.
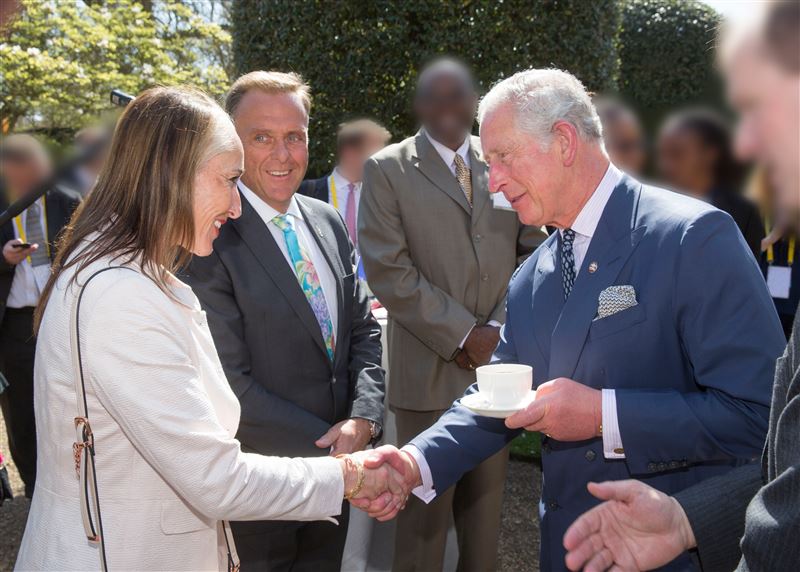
592,267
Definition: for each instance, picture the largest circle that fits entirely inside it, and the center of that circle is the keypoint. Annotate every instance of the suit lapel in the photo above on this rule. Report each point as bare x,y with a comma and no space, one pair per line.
613,243
259,240
548,297
480,181
56,219
430,164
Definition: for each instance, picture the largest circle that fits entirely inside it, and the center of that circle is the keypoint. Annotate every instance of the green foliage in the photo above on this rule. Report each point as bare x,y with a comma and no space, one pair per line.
362,58
61,58
527,447
667,55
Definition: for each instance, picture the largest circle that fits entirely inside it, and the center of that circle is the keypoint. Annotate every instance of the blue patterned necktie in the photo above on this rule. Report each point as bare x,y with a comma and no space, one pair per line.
309,281
567,261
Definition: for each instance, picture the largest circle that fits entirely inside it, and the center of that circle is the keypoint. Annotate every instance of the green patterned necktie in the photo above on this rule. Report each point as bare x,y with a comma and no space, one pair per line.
309,280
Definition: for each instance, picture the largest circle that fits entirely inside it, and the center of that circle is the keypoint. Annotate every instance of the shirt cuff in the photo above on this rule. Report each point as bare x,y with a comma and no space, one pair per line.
612,440
461,345
425,492
494,324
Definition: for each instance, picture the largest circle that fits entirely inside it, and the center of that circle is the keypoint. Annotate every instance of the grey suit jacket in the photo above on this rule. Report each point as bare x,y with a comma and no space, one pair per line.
269,341
438,265
758,504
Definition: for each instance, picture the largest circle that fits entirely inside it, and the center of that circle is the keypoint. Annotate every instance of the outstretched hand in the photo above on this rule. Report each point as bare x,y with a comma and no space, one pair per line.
637,528
400,474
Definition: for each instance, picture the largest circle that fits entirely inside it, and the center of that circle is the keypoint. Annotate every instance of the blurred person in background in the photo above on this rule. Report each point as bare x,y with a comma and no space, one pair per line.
778,252
293,327
623,136
126,347
28,251
355,142
748,519
83,177
439,255
695,156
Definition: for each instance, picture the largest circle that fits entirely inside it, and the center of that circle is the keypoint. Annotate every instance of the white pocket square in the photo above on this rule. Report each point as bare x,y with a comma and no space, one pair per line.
615,299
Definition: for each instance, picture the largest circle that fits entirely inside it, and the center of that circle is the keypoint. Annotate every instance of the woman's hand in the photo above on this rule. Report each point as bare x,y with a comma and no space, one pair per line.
382,486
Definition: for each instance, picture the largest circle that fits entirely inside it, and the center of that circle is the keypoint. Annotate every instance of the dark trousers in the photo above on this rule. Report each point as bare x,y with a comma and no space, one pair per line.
17,352
474,503
276,546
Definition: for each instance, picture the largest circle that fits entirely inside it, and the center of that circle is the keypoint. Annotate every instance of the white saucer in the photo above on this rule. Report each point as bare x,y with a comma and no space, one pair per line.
480,404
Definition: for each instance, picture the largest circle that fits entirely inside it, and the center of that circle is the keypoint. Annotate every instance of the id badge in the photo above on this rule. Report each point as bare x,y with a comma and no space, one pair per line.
779,281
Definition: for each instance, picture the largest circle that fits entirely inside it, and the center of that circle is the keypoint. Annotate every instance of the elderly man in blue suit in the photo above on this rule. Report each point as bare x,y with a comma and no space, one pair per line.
646,320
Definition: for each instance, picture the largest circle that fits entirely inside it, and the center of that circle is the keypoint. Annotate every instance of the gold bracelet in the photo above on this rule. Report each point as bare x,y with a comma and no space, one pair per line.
361,476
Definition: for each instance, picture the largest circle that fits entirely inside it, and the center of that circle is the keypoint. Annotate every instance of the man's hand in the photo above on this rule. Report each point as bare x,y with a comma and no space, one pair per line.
480,344
637,528
406,476
463,361
14,256
346,436
564,410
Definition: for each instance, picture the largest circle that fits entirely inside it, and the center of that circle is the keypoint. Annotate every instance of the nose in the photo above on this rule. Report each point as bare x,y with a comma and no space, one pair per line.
497,178
235,208
280,151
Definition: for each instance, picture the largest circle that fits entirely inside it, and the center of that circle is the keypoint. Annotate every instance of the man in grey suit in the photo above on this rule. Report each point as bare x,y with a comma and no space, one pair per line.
438,255
291,322
750,516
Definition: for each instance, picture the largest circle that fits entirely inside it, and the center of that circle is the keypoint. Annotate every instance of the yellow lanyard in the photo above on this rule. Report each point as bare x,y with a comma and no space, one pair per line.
334,197
771,251
21,228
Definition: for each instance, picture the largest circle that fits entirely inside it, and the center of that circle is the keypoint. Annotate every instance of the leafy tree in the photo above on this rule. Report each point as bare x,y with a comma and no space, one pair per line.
61,58
362,58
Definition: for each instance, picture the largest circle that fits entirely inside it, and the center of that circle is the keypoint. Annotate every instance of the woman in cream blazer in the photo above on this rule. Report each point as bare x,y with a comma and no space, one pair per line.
168,468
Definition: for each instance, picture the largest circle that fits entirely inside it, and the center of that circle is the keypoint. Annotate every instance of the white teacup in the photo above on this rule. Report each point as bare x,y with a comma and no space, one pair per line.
505,384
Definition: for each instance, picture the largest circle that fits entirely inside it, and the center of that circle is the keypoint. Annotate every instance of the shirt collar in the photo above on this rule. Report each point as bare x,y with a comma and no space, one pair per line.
447,154
341,181
265,211
587,220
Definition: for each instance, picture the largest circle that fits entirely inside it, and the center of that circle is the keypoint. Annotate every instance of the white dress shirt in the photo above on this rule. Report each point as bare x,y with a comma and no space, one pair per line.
29,280
584,226
306,241
343,195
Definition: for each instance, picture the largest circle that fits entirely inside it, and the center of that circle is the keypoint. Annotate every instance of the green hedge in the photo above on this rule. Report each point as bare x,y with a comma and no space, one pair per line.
362,58
667,55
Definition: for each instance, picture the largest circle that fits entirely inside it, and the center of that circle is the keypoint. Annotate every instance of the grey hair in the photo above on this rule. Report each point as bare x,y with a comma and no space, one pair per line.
543,97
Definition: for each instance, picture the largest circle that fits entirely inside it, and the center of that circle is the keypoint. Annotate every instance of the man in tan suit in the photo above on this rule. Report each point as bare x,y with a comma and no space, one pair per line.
438,254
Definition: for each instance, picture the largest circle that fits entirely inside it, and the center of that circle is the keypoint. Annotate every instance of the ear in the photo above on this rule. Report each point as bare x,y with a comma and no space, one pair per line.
566,140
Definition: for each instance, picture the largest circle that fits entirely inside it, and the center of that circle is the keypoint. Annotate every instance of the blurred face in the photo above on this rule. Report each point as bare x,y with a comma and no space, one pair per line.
21,175
767,99
684,163
446,107
625,144
216,198
529,177
353,157
274,131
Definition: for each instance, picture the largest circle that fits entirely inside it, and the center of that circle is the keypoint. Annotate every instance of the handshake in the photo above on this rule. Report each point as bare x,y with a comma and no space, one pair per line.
379,481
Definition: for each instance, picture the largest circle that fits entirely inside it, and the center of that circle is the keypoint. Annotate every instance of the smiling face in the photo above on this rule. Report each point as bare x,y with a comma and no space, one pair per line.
529,177
216,198
274,131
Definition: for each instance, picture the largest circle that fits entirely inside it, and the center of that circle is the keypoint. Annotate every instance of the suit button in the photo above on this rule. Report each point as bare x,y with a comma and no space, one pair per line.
662,466
652,467
333,379
484,277
477,237
552,505
590,455
674,464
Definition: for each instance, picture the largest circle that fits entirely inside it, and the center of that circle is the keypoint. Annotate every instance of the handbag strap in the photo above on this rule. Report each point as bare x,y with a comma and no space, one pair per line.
84,446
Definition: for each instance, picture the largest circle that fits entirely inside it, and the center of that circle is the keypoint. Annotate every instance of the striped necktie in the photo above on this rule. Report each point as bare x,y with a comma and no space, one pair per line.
34,234
309,281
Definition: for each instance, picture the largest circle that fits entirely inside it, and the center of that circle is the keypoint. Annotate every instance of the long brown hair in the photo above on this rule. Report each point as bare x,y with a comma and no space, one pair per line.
141,205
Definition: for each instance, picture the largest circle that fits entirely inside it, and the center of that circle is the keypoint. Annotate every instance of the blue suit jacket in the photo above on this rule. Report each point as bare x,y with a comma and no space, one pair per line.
692,364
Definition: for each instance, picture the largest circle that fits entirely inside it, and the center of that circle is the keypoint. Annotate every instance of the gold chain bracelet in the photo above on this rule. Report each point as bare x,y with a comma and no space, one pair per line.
361,476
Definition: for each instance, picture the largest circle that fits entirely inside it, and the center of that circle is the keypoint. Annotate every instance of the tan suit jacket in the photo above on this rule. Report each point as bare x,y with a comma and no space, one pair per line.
437,265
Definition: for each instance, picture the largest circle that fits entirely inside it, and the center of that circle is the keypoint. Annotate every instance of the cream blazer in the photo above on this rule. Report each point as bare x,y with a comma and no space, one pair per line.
164,419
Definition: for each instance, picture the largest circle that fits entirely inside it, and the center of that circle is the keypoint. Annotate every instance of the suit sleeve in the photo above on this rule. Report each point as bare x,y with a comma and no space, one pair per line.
367,378
461,440
141,365
716,512
428,312
264,414
731,337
